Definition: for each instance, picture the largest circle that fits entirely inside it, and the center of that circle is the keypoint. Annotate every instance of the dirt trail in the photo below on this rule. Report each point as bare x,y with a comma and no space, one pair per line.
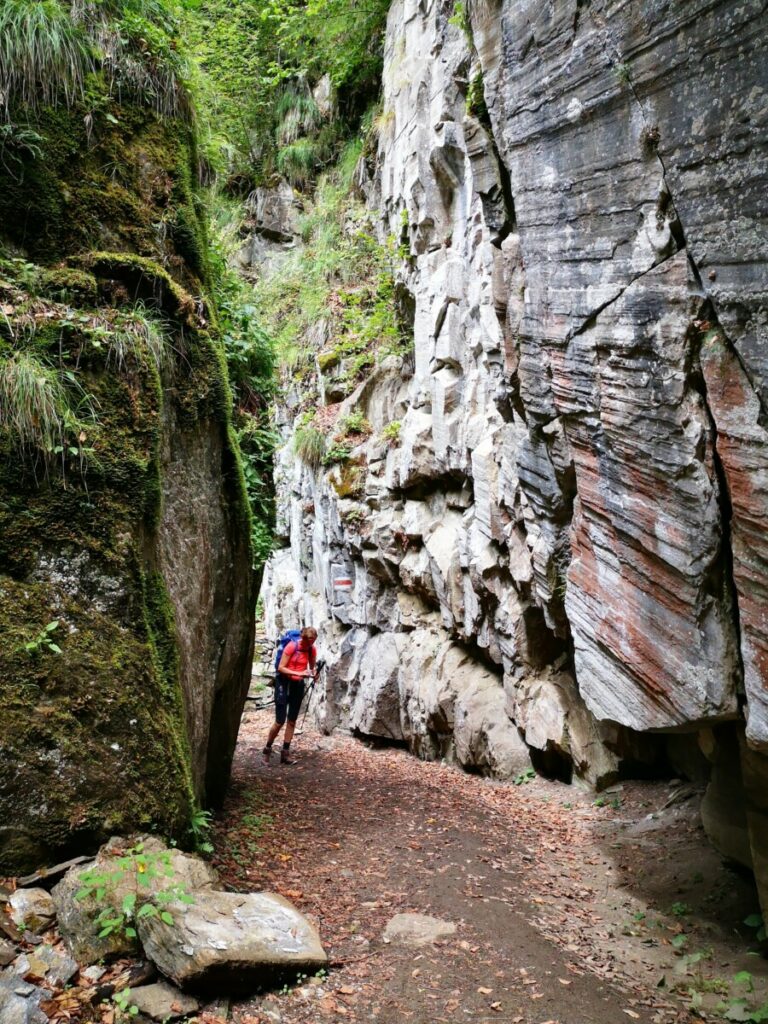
354,835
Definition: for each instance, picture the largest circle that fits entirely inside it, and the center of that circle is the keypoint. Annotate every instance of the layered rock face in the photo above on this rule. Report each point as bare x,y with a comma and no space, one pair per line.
126,589
565,542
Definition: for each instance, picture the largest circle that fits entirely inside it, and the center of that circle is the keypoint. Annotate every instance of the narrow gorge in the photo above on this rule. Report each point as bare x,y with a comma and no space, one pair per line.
438,326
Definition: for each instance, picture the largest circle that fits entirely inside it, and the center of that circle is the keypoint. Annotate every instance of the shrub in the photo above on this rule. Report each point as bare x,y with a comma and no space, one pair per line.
337,452
391,433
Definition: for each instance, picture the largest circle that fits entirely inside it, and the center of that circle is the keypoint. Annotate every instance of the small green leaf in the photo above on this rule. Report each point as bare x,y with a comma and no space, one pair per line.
753,921
55,648
130,933
165,916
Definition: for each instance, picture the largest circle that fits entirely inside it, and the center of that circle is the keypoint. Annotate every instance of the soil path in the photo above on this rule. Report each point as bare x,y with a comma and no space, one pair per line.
353,835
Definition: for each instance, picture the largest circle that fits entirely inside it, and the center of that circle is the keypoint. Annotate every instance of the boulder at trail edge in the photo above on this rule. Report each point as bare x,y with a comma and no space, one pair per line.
231,941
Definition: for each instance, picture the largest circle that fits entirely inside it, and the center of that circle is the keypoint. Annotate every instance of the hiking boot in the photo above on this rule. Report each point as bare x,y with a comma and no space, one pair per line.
287,759
265,755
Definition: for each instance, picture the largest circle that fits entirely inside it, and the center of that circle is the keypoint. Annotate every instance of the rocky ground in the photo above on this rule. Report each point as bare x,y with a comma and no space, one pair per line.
438,896
567,908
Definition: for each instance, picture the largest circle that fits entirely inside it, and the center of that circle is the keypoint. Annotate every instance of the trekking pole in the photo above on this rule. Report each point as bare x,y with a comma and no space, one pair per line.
321,668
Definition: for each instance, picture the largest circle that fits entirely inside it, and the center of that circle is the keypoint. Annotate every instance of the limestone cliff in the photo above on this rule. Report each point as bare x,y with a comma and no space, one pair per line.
558,532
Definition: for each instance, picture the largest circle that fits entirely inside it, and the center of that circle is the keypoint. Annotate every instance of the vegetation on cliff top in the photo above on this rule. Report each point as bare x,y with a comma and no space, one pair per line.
262,59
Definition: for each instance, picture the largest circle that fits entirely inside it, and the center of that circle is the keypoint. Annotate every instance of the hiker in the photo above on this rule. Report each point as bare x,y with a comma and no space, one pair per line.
297,664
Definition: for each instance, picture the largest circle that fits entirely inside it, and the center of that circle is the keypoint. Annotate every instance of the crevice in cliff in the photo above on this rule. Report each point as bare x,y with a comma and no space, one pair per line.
722,580
714,318
591,319
510,224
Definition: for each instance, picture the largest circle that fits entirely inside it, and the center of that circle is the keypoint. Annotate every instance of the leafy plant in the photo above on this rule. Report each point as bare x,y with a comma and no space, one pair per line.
43,641
460,18
391,432
130,890
758,922
623,72
337,451
122,1000
524,777
355,423
201,826
679,909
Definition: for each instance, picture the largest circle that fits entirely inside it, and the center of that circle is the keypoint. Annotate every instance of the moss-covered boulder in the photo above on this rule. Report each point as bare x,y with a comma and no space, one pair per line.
126,588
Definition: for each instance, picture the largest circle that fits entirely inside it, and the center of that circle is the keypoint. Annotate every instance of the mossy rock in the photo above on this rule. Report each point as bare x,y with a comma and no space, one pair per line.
88,546
100,733
109,189
327,360
65,284
126,279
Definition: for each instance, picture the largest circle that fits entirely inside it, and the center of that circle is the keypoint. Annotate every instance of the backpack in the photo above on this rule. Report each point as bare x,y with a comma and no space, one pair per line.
289,636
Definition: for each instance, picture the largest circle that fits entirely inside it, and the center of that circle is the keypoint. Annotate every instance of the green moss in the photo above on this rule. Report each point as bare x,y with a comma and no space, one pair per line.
64,284
93,740
82,714
108,188
142,279
327,360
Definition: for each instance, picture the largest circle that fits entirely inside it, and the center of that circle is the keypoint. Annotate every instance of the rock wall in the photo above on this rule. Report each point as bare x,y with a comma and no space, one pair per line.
565,542
130,538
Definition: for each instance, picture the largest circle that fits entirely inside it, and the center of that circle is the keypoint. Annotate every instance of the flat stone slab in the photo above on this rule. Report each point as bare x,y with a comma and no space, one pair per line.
162,1001
417,930
7,953
229,942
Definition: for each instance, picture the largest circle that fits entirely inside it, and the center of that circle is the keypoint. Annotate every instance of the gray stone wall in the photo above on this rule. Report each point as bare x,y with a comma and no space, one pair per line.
566,544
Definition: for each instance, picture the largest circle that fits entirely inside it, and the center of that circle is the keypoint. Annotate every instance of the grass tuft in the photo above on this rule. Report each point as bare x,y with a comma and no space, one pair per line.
298,160
138,335
43,54
34,406
309,445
